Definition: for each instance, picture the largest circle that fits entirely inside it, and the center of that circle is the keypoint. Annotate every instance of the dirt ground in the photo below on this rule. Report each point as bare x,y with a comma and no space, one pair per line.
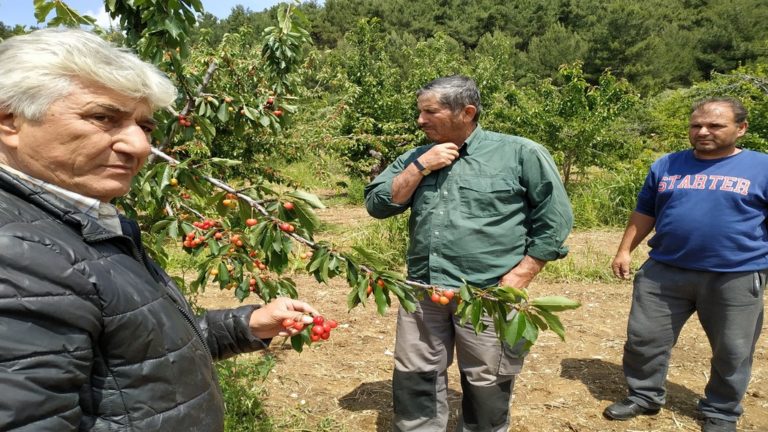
564,386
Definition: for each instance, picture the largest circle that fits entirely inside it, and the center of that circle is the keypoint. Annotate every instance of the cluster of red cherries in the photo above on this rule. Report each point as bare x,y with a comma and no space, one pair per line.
319,329
184,120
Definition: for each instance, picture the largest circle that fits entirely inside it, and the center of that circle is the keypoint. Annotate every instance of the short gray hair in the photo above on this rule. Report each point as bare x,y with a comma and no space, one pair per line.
39,68
455,92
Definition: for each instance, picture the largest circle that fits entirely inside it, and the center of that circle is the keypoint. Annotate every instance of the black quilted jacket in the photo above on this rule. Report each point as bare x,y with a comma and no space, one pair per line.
94,336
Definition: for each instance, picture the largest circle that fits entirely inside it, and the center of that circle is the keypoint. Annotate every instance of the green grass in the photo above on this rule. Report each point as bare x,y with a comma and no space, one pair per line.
241,383
590,264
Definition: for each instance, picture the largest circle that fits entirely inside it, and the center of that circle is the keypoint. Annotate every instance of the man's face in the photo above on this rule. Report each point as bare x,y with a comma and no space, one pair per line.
93,142
439,123
713,131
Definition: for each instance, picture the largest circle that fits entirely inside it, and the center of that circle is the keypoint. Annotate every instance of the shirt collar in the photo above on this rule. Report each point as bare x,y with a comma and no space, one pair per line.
473,139
105,214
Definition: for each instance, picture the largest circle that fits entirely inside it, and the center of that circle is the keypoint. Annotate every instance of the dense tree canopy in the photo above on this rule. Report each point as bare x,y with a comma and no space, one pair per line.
655,44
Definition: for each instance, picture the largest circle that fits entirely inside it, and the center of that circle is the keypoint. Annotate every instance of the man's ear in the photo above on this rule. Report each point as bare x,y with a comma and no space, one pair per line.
469,111
9,129
742,129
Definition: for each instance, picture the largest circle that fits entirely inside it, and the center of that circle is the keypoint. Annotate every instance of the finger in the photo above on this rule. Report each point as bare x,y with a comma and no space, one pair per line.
306,308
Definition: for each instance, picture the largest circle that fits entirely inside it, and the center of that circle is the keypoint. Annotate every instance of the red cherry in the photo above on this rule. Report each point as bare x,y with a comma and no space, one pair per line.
288,205
435,297
251,222
318,320
318,329
333,323
288,322
325,335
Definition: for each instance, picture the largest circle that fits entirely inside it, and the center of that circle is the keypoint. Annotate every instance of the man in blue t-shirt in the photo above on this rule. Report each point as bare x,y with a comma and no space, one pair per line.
709,254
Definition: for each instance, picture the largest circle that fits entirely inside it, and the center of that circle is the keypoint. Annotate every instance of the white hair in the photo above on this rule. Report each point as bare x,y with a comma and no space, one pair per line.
39,68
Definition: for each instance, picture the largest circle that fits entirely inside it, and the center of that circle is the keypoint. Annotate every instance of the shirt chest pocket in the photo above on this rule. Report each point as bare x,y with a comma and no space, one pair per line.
488,197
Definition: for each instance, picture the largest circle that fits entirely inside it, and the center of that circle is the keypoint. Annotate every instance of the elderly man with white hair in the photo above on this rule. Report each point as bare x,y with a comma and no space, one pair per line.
95,336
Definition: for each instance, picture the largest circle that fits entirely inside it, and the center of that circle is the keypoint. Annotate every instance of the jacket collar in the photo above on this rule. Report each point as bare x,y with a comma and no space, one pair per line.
55,205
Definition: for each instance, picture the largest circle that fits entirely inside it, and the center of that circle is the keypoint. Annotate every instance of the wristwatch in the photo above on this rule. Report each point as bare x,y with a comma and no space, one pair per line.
424,171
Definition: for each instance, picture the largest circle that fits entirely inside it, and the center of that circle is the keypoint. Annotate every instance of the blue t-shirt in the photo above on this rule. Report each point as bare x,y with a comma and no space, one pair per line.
710,214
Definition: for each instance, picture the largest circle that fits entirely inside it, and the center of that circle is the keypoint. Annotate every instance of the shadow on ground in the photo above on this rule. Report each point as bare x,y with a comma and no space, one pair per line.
605,381
377,396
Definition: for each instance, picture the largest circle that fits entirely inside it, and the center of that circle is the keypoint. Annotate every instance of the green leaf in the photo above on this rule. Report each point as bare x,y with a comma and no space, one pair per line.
214,245
323,273
554,323
224,162
516,293
464,311
512,331
167,173
477,315
173,28
382,300
223,276
243,290
353,298
309,198
465,293
42,9
297,342
317,260
250,113
555,303
223,112
369,256
531,332
538,321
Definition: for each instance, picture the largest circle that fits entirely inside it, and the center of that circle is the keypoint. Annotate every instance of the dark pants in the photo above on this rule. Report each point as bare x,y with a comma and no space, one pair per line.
423,352
730,309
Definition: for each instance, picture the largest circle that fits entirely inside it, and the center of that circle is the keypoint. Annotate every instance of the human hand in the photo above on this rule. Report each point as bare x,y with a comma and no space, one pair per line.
523,273
266,321
439,156
620,265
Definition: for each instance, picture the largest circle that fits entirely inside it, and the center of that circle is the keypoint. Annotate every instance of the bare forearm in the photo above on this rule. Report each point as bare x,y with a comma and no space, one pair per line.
638,227
405,184
523,273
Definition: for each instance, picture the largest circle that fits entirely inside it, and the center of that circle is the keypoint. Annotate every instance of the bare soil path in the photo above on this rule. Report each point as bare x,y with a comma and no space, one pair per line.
344,384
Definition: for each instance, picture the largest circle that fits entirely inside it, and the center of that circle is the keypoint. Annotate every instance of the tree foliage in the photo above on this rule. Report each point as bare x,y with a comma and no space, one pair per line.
245,237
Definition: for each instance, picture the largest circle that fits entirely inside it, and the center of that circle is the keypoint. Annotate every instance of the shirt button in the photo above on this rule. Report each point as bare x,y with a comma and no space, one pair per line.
445,193
437,233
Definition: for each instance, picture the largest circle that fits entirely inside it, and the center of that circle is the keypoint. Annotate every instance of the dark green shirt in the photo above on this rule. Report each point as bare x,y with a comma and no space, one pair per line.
474,220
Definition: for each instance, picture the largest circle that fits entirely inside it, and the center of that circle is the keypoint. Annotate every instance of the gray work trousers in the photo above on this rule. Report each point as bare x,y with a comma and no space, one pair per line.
423,353
730,310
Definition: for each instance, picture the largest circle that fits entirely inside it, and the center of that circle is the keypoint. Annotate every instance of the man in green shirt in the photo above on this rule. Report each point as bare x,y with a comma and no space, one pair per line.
488,209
